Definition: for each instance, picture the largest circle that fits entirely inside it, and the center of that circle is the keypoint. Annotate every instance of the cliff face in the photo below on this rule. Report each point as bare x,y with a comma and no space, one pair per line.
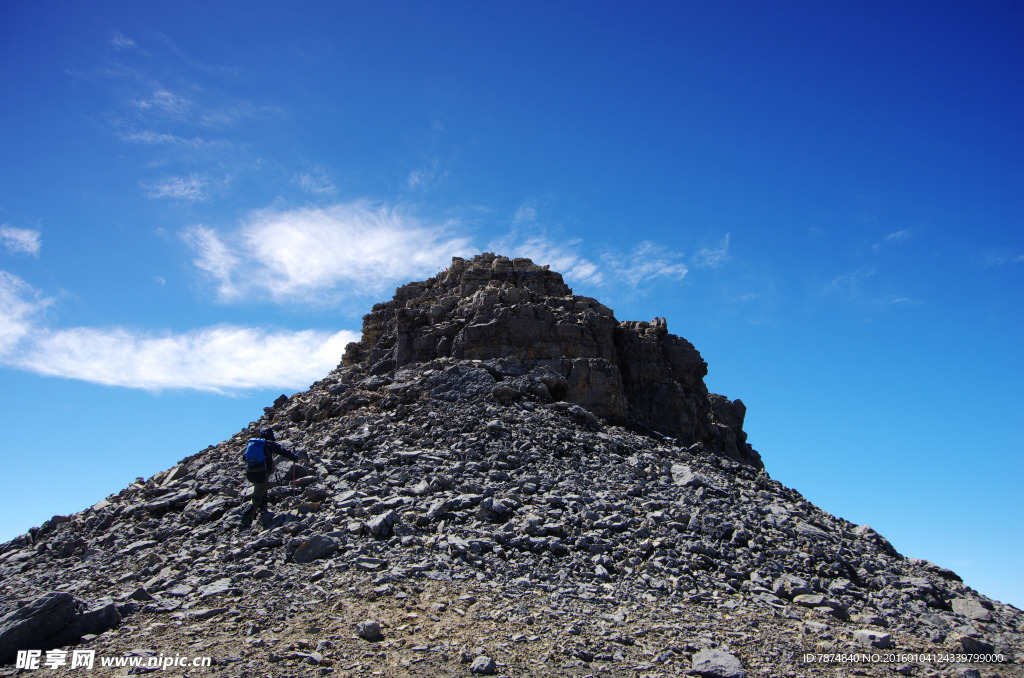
529,330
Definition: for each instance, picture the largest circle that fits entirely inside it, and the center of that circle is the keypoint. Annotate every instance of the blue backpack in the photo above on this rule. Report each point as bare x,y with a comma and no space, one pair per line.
256,455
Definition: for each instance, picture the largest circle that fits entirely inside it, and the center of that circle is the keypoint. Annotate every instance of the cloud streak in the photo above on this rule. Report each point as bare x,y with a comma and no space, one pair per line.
646,262
20,240
713,257
219,359
316,183
321,255
20,306
561,256
192,187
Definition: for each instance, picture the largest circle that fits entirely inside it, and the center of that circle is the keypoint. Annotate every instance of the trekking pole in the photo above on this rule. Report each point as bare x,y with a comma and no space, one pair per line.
293,480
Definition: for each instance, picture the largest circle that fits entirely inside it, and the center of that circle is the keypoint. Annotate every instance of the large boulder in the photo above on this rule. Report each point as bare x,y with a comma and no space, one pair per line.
52,620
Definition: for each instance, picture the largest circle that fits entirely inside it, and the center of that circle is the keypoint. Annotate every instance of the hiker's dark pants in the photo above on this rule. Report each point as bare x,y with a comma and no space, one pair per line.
259,496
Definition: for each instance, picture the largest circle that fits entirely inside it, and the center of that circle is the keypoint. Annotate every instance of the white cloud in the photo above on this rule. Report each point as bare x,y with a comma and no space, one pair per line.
713,258
20,305
214,257
166,103
217,359
898,236
152,138
321,255
20,240
561,257
120,41
646,262
192,187
224,358
525,214
417,178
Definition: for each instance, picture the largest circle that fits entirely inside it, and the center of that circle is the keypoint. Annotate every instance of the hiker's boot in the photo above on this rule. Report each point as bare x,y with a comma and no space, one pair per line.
265,518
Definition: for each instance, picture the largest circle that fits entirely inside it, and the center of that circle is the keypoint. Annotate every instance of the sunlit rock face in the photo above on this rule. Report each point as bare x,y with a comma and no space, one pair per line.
527,328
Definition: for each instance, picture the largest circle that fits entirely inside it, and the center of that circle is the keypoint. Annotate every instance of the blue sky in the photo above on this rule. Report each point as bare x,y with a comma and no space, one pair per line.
198,202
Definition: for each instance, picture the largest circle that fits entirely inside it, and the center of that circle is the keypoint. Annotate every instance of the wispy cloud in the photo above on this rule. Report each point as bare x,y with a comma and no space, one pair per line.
893,238
995,257
20,308
192,187
165,103
529,239
646,262
426,177
119,41
221,359
853,288
709,257
525,214
316,182
181,120
153,138
560,256
848,284
20,240
320,256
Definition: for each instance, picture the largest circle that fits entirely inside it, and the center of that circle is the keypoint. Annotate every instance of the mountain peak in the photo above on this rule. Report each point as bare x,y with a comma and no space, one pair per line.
525,325
499,474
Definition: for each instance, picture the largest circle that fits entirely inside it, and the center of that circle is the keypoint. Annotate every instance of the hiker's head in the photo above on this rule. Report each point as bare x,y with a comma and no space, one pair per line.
267,433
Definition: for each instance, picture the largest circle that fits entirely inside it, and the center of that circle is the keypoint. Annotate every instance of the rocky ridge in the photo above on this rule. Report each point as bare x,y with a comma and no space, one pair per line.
466,506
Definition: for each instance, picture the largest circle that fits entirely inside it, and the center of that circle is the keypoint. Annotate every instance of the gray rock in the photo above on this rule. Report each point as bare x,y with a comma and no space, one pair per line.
314,548
717,664
140,594
137,546
91,622
33,625
867,533
809,599
968,643
483,665
223,586
871,619
369,629
204,613
684,476
789,586
382,526
870,638
811,532
972,609
461,382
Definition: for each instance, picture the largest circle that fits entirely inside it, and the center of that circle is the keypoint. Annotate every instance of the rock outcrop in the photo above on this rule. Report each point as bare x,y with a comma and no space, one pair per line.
472,510
527,328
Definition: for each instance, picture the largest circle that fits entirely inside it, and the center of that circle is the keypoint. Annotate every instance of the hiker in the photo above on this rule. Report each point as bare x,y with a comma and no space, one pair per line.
259,459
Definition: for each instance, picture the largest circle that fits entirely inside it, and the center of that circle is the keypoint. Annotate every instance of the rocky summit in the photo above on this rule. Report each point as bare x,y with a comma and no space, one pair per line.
499,478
